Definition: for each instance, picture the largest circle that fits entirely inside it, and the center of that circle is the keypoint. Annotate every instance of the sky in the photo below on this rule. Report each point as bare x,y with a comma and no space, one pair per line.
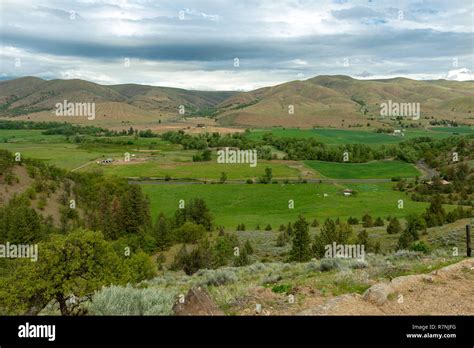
235,45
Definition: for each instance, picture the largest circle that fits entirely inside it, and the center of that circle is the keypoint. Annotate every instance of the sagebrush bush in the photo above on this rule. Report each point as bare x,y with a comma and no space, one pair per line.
118,300
358,264
408,254
217,277
329,264
312,266
271,278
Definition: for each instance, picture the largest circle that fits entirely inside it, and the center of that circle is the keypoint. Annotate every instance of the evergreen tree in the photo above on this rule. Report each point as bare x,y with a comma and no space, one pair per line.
330,233
363,239
162,232
379,222
367,221
195,211
301,243
394,226
19,223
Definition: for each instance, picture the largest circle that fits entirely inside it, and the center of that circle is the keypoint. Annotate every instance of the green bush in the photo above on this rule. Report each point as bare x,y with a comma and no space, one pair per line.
282,288
420,246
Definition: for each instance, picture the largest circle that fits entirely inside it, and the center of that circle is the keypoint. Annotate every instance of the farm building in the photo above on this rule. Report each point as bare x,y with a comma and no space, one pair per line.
348,192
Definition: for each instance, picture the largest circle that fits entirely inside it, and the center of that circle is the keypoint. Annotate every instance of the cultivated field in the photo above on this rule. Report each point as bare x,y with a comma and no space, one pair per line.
370,170
341,136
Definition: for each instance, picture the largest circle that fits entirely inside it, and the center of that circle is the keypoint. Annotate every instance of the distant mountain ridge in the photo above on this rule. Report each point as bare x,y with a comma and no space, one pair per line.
323,100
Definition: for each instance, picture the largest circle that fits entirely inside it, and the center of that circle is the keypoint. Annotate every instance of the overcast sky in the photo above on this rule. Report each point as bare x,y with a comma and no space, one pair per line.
235,45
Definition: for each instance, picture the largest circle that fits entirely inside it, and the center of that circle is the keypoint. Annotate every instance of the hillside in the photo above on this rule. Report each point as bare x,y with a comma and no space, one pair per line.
32,98
335,101
340,101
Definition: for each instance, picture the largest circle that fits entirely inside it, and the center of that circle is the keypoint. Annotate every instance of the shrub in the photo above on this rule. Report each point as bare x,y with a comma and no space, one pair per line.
329,264
379,222
282,288
189,262
117,300
41,203
242,259
315,223
268,228
248,249
282,239
420,246
217,277
358,264
189,233
271,279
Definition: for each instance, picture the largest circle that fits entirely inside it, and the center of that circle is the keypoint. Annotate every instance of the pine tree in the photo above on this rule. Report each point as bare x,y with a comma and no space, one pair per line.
394,226
161,232
301,243
379,222
367,221
330,233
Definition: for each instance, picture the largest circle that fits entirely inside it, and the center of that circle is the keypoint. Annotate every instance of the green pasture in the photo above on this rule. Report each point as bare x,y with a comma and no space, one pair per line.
262,204
370,170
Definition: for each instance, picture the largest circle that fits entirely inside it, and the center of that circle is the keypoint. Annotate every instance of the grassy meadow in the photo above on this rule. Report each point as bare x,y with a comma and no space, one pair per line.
370,170
254,204
196,170
331,136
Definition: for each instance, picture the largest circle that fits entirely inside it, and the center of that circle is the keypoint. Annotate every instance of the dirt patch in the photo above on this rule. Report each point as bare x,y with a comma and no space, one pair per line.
196,302
447,291
24,182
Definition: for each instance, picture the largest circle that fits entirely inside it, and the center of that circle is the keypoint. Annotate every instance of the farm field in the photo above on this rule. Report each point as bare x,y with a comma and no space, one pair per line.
62,155
254,204
340,136
54,149
197,170
370,170
454,130
27,136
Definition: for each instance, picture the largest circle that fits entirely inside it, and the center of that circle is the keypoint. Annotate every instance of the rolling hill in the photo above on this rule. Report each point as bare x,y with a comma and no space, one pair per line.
336,101
34,99
342,101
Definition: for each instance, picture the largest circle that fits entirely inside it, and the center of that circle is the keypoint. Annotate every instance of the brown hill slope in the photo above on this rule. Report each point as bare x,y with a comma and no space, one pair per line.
33,98
328,100
320,101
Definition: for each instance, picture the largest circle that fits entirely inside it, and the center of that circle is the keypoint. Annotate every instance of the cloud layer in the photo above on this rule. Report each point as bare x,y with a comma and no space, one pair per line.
235,45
